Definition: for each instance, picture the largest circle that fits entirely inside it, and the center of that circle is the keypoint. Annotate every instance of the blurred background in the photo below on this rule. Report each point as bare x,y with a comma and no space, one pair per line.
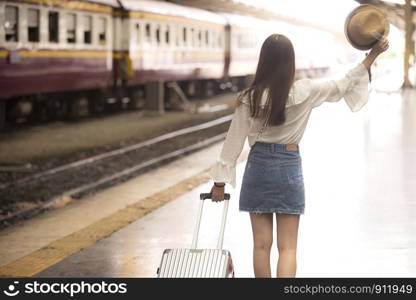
110,109
67,63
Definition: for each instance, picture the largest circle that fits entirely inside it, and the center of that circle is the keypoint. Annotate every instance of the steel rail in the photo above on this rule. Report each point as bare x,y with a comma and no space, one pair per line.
119,151
73,192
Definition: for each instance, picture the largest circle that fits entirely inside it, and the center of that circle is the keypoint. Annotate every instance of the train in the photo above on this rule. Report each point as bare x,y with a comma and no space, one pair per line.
65,59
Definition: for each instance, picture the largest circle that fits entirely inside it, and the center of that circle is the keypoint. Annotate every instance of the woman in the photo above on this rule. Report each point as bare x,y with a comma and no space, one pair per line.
272,113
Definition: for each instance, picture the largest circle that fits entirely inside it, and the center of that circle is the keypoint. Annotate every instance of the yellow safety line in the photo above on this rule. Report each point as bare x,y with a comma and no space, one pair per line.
59,53
60,249
63,53
25,53
187,54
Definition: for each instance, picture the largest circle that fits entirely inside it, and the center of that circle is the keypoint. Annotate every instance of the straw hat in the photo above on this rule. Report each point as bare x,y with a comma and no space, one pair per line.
365,25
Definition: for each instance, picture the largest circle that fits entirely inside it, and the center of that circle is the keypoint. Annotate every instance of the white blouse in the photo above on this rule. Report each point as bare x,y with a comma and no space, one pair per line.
304,95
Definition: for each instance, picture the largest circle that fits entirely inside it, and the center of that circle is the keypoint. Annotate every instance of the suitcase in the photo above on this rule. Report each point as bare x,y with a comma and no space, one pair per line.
193,262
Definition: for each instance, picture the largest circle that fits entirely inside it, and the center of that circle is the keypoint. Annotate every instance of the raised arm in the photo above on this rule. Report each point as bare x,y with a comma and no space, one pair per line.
353,87
379,48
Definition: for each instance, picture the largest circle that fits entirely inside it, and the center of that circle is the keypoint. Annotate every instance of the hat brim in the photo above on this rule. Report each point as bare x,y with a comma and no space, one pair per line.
347,22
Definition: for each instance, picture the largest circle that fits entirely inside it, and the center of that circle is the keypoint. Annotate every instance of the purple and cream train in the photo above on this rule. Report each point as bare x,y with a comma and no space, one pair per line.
61,58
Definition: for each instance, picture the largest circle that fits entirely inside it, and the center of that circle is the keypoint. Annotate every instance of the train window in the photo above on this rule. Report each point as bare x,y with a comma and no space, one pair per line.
192,34
158,34
199,38
138,35
206,38
87,29
167,35
33,25
214,39
220,40
71,28
177,37
102,29
53,21
184,37
148,33
11,24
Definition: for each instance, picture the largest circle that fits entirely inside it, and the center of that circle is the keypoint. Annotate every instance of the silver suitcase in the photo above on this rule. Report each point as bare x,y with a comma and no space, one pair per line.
193,262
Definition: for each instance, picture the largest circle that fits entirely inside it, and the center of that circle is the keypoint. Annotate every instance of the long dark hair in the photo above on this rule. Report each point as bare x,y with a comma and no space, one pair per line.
275,74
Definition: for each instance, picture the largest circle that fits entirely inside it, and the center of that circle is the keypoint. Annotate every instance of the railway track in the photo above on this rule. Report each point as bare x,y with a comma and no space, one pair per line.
32,194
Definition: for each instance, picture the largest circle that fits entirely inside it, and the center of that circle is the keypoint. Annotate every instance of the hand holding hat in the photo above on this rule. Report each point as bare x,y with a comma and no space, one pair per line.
380,46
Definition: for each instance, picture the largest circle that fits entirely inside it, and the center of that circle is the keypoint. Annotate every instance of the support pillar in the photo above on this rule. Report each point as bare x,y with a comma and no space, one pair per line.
408,42
155,104
2,113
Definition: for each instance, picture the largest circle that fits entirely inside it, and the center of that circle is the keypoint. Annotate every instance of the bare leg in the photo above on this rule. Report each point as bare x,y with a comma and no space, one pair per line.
287,235
262,225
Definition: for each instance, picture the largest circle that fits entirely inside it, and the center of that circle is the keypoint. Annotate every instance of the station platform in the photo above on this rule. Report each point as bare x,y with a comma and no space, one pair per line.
360,218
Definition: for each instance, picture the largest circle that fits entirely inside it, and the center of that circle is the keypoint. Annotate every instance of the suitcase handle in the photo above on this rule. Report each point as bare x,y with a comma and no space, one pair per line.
204,196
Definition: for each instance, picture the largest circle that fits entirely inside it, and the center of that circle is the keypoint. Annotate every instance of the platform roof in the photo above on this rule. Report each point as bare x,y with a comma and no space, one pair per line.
261,10
394,9
172,9
113,3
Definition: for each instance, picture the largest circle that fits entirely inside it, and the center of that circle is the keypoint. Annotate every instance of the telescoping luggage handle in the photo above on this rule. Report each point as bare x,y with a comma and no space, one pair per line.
202,197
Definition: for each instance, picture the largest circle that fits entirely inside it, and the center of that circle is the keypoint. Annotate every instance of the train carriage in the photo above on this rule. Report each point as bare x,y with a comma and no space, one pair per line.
163,41
54,48
312,58
69,58
244,39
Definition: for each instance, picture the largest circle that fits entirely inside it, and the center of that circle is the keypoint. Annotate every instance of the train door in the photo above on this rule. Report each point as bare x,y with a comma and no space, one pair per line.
227,50
122,66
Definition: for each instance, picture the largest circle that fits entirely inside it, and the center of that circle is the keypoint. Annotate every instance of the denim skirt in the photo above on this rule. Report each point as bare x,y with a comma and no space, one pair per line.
272,180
